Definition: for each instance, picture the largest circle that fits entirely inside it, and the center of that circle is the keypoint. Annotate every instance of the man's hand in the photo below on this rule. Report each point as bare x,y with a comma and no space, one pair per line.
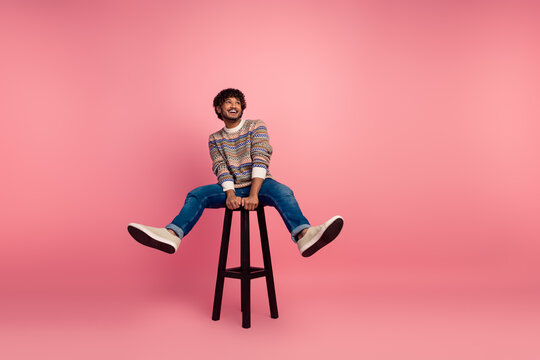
251,202
233,202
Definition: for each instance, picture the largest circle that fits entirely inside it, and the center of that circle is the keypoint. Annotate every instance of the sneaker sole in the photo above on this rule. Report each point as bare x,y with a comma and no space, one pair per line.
331,232
147,240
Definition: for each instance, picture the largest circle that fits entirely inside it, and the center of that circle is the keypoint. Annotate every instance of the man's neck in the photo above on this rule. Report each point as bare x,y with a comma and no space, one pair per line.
231,124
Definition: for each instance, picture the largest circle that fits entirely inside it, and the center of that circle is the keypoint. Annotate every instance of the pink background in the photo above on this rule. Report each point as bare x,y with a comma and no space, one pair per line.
416,121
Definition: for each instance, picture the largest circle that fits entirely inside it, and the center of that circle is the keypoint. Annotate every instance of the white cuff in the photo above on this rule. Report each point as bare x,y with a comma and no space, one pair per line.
258,172
227,185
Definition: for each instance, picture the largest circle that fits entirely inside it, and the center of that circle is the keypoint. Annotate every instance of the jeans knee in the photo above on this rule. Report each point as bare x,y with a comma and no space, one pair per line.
283,191
275,190
287,191
194,195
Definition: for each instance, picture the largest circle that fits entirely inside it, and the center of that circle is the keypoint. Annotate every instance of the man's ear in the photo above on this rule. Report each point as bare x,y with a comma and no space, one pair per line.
218,109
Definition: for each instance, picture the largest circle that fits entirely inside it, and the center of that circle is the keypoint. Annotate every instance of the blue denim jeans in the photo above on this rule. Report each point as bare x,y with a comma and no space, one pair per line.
272,193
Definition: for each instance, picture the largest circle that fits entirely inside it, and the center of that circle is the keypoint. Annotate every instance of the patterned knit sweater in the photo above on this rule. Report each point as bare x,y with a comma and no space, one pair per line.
240,154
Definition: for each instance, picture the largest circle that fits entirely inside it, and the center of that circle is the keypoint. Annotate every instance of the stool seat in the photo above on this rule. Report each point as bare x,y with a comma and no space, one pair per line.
245,272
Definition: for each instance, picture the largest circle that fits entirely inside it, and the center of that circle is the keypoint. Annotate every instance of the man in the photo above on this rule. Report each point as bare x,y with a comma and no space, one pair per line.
240,153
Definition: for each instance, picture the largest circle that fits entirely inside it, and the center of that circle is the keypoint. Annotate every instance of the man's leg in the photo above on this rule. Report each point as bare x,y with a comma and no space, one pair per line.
310,239
168,239
206,196
282,198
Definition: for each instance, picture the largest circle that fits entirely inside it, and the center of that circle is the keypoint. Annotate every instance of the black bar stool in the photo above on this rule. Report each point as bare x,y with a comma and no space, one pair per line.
245,272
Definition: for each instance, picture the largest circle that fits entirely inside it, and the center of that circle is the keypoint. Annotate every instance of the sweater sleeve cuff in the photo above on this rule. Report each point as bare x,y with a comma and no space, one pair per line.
227,185
258,172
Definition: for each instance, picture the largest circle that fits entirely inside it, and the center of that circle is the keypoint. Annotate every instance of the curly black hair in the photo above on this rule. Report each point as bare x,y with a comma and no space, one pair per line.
224,95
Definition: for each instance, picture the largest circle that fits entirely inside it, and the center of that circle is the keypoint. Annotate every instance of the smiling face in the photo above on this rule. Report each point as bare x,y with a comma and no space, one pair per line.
231,109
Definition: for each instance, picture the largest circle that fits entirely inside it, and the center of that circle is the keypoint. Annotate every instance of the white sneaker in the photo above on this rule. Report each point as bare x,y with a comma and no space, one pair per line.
318,236
158,238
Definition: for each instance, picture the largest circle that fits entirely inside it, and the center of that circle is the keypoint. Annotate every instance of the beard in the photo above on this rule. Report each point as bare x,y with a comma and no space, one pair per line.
226,117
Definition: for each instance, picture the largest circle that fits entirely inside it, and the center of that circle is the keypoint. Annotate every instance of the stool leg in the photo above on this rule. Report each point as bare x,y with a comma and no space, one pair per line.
218,295
245,269
267,263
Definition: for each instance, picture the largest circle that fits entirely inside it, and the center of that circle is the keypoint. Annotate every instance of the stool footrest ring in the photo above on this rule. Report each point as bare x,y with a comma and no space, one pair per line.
236,272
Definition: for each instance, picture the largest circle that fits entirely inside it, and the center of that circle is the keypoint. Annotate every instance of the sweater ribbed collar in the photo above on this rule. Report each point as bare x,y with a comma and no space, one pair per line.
236,128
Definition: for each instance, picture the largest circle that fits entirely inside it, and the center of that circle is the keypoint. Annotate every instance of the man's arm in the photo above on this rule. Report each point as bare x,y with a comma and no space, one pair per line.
261,150
252,201
219,166
260,156
256,184
225,178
